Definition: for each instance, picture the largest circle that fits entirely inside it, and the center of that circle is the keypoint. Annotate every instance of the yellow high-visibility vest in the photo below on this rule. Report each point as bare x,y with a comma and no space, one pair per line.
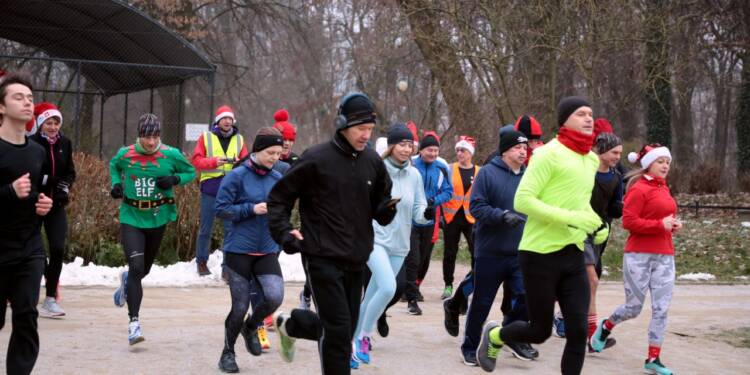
213,149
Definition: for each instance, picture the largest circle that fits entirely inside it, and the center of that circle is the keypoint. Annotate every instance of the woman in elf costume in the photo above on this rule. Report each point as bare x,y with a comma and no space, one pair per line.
143,175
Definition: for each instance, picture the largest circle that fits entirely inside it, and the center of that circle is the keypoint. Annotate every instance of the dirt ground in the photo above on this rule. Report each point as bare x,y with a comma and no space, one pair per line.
183,328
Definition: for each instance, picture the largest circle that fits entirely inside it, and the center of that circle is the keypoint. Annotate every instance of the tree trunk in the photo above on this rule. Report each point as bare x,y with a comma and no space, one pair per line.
742,119
434,43
659,90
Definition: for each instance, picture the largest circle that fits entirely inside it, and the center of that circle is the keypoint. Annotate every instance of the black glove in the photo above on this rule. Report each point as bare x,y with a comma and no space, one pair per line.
167,182
430,202
429,212
385,213
60,196
291,244
512,219
116,192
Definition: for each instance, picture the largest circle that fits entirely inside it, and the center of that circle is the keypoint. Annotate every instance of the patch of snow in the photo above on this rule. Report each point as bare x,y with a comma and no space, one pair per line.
707,222
745,224
697,276
181,274
742,277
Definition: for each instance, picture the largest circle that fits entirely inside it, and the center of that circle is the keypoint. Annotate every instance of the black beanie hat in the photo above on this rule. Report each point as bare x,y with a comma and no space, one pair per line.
567,106
265,141
398,132
357,110
427,141
510,139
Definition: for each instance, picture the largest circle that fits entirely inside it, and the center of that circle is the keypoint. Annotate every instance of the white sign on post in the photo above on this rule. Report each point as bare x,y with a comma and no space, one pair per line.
194,131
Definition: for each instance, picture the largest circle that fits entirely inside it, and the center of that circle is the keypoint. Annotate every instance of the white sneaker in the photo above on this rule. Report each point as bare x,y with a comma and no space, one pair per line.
134,332
50,309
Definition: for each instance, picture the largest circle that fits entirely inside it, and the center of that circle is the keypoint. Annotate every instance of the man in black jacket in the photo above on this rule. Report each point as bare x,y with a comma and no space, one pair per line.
21,252
341,185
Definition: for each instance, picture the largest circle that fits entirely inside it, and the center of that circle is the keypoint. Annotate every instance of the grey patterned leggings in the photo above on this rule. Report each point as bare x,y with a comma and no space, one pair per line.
643,272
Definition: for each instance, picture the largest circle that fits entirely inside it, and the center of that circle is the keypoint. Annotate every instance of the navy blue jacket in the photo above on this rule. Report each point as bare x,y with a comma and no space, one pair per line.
492,195
238,193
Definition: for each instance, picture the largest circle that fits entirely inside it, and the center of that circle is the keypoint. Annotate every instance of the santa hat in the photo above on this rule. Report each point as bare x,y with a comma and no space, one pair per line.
224,111
467,143
288,131
602,125
529,126
42,112
649,154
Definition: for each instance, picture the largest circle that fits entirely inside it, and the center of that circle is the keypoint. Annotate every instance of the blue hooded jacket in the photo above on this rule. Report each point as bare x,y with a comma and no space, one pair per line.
492,195
437,185
240,190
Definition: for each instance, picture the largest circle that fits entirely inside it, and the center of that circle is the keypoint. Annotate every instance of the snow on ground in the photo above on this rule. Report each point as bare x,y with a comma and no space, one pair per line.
176,275
746,224
697,276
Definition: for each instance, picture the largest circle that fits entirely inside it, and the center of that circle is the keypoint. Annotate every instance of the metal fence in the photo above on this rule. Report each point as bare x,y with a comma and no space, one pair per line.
99,122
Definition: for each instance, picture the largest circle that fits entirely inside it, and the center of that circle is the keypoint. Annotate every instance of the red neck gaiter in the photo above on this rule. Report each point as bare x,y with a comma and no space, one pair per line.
576,141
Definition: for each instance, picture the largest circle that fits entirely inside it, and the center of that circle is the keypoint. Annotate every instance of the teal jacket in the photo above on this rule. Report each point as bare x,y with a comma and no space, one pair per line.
407,185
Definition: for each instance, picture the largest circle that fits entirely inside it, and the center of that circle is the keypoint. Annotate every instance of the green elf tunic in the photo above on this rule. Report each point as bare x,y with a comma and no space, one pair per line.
138,171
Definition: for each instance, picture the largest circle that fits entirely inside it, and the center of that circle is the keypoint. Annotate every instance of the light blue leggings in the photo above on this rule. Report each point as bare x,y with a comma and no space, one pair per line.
380,290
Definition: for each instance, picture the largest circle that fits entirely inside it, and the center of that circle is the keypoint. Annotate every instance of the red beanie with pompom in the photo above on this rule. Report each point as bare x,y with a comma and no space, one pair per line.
288,131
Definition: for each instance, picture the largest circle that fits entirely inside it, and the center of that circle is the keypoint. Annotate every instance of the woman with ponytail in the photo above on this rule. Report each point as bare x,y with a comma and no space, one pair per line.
649,214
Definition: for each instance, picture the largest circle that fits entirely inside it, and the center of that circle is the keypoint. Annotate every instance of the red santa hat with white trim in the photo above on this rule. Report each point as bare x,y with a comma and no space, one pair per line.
649,154
42,112
224,111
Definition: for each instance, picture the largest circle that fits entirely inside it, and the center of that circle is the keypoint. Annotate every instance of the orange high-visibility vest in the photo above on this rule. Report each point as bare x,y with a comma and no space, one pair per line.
459,198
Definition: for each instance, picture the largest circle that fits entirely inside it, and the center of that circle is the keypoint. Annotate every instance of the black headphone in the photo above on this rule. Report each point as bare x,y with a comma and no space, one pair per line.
341,120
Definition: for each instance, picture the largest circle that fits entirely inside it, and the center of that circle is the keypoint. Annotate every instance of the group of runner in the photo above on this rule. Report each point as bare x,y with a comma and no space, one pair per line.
369,220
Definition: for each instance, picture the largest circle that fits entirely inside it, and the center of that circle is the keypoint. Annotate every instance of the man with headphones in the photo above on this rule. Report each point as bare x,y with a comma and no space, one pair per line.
342,185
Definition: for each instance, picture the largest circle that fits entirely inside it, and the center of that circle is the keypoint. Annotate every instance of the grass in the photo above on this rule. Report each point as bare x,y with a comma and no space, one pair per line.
711,241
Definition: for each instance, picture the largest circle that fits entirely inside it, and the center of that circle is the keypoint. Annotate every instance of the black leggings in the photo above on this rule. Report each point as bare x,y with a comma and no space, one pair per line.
265,271
560,275
452,237
141,246
56,227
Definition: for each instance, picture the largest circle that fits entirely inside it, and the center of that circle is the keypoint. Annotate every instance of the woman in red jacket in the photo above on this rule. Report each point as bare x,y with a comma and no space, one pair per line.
648,262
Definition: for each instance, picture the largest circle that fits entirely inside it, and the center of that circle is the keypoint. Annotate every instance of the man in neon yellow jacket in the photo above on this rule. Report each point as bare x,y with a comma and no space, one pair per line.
555,194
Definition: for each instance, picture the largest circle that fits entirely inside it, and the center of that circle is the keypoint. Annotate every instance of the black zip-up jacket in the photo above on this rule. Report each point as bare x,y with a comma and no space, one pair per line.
340,192
58,167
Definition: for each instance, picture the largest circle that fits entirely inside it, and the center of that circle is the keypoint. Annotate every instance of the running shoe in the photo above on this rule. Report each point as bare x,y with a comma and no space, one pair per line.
656,367
608,343
450,319
559,326
265,344
383,328
520,350
447,292
252,340
469,359
227,362
134,332
598,339
286,342
304,302
50,308
362,349
121,294
353,364
487,351
413,308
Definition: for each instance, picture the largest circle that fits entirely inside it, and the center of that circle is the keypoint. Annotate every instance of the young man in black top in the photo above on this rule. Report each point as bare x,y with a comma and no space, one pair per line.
341,185
22,258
